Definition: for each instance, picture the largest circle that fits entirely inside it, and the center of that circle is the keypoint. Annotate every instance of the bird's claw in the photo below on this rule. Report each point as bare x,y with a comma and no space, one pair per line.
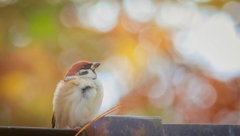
77,128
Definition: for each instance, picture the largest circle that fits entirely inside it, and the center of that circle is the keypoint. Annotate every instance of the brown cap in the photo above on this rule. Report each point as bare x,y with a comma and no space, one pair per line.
75,67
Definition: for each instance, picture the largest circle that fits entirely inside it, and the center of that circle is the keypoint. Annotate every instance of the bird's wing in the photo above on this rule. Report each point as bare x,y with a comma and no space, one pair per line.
53,120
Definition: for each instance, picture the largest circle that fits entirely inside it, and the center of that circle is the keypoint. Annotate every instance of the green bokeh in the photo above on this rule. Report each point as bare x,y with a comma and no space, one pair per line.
41,23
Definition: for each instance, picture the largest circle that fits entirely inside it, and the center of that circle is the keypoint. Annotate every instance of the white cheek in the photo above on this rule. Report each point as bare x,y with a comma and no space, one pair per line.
91,74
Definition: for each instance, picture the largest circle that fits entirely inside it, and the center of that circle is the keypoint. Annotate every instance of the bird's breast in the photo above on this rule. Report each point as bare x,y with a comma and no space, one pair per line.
77,102
86,107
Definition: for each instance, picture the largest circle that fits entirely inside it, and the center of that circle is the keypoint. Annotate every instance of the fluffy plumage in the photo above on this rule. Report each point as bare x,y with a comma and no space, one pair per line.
78,99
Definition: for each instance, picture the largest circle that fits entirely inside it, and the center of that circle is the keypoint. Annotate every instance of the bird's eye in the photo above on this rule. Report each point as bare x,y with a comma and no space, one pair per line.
83,73
85,66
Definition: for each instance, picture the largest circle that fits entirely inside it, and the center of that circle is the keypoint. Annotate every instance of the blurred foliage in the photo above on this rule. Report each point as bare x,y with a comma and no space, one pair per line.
141,67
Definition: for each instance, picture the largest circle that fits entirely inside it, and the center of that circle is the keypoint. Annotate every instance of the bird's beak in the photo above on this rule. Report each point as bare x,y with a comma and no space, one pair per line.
95,65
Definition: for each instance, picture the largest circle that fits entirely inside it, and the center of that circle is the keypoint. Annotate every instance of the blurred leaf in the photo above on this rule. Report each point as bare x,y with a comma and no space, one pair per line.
42,24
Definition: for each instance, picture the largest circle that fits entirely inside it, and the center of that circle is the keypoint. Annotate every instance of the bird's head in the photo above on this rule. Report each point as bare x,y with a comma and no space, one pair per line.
82,69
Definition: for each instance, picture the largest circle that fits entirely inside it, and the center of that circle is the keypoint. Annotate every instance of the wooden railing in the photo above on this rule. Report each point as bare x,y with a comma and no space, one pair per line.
129,126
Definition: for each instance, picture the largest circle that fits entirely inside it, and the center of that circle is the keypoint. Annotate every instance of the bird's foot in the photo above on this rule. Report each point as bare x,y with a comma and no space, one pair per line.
77,128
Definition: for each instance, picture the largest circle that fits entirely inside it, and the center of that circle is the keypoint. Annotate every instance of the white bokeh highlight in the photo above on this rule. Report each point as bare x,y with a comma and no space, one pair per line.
215,44
103,16
139,10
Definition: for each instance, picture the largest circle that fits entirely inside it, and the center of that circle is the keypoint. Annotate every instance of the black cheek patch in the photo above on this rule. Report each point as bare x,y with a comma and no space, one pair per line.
83,73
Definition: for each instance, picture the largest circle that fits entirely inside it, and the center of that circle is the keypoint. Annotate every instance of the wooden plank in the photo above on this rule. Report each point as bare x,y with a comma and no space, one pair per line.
201,130
129,126
107,126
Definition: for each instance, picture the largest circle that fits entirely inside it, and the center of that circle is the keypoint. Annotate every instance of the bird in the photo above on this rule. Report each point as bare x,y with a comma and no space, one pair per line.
78,98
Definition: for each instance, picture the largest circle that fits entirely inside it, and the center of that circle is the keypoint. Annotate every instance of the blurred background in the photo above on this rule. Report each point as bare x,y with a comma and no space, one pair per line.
178,59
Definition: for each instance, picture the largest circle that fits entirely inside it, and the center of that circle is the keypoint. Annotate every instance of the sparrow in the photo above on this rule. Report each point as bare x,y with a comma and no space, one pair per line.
78,98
